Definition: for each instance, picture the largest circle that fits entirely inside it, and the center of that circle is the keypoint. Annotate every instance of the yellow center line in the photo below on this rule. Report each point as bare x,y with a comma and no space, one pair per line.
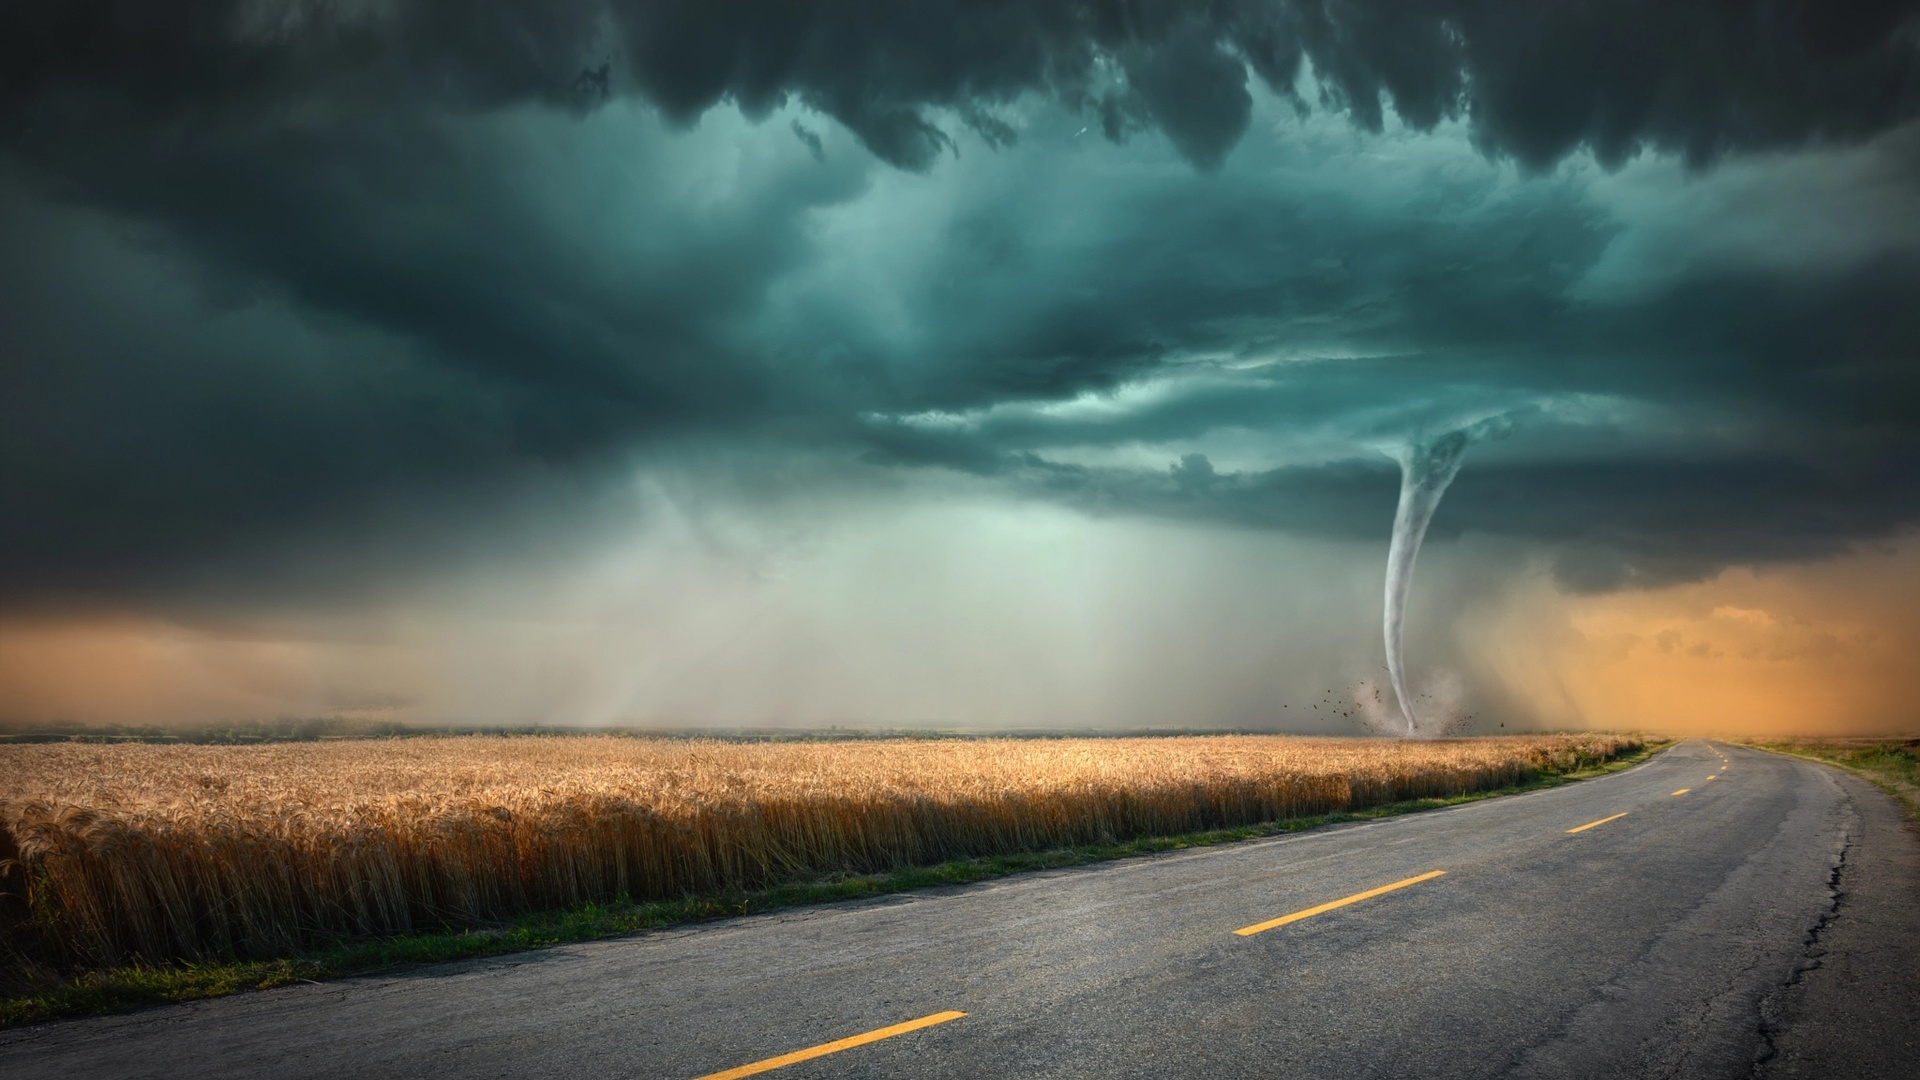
1683,791
1602,821
1713,776
1249,931
834,1047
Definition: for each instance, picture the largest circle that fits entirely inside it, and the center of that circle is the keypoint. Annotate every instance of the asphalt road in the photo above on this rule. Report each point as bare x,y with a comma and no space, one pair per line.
1766,922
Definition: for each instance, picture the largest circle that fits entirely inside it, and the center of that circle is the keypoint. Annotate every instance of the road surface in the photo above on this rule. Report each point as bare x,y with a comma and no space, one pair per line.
1732,913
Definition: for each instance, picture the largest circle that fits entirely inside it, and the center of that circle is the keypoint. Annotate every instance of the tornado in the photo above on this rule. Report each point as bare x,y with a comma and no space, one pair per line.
1425,471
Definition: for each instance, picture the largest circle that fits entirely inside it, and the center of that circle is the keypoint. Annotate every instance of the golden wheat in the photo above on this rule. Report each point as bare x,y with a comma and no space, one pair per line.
157,853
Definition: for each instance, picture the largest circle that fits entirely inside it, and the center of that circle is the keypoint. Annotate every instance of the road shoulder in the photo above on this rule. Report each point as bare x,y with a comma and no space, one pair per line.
1853,1007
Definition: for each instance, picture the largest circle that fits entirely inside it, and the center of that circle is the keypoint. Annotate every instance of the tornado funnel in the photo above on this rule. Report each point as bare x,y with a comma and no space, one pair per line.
1425,471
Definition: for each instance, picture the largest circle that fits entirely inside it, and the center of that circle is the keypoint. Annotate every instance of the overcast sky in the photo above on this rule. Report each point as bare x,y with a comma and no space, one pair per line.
1029,363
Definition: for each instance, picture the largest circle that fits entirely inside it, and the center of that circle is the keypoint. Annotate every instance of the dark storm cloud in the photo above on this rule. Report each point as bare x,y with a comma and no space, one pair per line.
1537,80
388,333
1607,524
1247,269
1820,374
407,319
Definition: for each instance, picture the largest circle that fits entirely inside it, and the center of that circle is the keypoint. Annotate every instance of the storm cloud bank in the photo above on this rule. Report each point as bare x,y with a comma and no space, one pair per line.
304,297
1535,82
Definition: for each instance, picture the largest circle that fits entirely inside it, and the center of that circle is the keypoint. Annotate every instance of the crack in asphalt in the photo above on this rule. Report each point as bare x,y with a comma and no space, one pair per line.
1676,1052
1773,1006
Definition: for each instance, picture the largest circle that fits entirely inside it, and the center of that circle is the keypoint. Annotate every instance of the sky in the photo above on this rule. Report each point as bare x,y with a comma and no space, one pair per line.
959,364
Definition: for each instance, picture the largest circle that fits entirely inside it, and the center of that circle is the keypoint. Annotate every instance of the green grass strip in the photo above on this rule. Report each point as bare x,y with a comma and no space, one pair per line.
116,989
1893,767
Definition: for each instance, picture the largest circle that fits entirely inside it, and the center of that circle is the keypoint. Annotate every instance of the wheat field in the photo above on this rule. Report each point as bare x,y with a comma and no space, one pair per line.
156,853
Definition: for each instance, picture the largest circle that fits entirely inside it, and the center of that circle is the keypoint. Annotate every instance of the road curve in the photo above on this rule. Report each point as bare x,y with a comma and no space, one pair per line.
1762,923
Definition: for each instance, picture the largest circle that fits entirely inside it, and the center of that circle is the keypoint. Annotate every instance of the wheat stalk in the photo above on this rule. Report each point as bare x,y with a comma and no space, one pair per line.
150,853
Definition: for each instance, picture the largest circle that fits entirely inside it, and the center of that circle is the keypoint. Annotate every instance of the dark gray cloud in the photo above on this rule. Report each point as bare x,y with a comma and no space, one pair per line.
288,276
374,327
1773,417
1606,524
1536,82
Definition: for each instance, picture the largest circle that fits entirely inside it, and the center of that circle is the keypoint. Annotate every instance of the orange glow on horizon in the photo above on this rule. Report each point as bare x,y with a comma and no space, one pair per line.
133,671
1815,648
1823,647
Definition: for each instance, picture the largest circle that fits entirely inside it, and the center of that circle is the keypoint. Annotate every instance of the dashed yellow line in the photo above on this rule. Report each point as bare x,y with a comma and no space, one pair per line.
848,1043
1602,821
834,1047
1249,931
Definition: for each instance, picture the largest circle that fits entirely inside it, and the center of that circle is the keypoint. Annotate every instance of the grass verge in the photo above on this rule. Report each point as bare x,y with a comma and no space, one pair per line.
1892,766
117,989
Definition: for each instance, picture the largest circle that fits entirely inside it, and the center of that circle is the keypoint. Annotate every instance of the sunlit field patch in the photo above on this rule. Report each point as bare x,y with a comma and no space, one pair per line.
151,854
